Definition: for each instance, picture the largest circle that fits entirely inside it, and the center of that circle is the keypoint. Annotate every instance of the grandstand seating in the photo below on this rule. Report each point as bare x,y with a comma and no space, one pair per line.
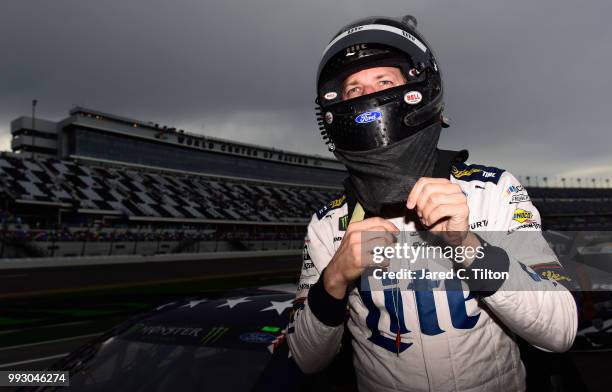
141,193
574,208
131,192
162,211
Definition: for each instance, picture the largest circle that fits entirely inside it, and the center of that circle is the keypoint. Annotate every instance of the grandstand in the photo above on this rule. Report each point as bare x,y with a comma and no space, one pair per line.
163,211
574,208
100,184
97,184
94,136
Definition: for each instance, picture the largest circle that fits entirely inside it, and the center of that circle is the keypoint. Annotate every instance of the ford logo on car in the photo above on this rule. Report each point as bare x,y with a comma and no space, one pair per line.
367,117
257,337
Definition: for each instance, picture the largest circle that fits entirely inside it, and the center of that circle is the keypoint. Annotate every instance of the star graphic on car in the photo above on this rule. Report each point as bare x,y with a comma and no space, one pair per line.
279,306
165,305
233,302
195,303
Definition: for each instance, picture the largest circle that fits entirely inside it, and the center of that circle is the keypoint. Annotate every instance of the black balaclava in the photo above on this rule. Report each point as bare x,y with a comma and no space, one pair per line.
387,174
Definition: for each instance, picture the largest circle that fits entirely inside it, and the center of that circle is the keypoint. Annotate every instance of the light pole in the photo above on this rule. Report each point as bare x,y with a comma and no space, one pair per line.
34,102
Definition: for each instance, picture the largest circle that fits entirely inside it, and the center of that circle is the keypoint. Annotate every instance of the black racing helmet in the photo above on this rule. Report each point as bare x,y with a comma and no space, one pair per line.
384,117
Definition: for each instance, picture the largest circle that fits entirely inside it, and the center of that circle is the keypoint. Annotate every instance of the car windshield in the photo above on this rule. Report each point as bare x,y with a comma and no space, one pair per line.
126,365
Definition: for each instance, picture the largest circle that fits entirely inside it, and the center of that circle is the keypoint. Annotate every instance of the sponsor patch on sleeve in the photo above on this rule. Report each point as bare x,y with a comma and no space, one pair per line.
332,205
464,172
343,223
551,271
515,194
479,225
527,221
305,254
520,215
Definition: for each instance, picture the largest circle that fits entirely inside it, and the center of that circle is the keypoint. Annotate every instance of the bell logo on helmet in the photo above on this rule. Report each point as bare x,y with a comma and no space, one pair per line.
367,117
330,95
413,97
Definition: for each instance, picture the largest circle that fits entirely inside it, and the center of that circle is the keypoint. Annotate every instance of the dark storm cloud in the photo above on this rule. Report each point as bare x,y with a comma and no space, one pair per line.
527,84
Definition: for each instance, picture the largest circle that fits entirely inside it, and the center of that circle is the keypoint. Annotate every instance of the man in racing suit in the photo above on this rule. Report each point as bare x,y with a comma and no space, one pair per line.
432,335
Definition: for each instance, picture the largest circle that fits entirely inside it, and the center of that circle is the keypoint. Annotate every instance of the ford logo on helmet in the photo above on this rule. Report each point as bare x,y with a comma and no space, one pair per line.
367,117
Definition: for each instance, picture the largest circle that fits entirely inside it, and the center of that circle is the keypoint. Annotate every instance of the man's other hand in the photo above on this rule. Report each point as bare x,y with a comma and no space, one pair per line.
348,263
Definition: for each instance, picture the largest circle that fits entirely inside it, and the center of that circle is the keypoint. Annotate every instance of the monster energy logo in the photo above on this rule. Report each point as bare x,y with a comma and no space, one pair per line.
343,223
213,335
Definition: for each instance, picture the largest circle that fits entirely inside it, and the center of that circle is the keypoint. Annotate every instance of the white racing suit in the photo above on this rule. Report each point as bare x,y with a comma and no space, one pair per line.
450,341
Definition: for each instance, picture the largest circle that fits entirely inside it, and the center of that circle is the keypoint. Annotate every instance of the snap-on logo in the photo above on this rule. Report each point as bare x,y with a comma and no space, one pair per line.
367,117
413,97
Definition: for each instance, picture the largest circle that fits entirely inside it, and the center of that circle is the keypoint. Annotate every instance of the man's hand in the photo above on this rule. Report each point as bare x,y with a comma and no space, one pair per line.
442,207
348,264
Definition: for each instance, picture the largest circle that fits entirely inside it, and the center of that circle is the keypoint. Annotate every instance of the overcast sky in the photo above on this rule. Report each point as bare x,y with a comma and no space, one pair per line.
527,83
